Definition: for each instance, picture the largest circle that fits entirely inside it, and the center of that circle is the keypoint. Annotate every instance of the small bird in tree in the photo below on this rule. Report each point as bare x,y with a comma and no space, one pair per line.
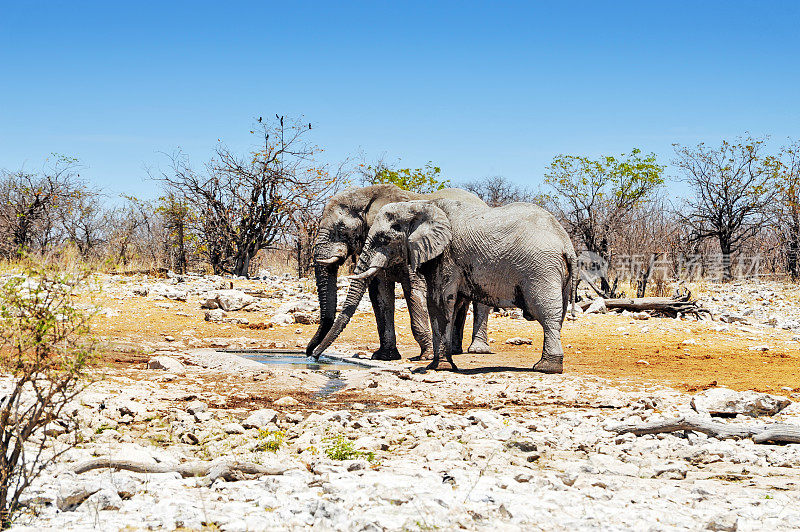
309,125
260,119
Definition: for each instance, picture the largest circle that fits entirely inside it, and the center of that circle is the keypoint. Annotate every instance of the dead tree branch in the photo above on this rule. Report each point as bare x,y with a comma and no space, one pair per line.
226,470
759,433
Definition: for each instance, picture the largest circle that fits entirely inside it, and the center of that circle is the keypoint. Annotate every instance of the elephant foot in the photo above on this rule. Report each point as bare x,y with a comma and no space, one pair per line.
442,365
425,355
386,354
479,347
551,365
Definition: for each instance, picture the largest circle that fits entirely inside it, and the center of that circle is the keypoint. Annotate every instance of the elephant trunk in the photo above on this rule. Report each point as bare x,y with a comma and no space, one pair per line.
354,294
326,292
325,273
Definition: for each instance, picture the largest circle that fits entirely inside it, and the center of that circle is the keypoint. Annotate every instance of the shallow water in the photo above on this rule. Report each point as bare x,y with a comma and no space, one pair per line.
330,367
303,362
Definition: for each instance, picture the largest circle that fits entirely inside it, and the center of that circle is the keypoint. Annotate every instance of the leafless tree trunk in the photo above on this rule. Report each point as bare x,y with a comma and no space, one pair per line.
732,190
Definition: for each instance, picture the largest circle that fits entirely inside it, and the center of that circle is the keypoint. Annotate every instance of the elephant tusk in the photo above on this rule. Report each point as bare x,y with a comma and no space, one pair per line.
365,275
332,260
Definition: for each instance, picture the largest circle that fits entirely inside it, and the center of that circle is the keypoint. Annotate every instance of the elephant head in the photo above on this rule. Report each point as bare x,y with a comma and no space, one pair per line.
342,233
411,232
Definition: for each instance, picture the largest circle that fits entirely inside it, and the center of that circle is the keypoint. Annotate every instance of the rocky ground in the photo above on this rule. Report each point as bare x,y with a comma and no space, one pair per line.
383,448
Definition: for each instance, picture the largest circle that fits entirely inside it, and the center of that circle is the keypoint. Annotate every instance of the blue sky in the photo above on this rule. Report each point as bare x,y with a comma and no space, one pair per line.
478,88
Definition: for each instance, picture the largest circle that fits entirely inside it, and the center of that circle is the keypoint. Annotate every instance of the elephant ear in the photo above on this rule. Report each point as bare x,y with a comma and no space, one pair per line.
429,234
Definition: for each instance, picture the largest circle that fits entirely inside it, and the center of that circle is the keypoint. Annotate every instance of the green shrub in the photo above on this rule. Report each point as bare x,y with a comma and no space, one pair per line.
271,440
340,448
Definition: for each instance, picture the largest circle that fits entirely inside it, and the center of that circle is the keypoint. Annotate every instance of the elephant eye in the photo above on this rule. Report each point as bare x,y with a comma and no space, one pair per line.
397,227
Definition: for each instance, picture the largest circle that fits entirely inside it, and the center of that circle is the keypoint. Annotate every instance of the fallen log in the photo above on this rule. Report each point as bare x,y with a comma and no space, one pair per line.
226,470
759,433
154,272
662,306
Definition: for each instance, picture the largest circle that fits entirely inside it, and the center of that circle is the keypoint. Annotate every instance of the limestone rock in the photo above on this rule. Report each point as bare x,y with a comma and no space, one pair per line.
260,419
140,290
233,428
215,315
75,492
726,402
286,401
210,303
518,340
302,306
167,364
105,499
282,319
229,300
169,292
196,407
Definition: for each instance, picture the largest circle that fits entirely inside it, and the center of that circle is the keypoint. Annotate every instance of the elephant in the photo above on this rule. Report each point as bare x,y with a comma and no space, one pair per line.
344,226
517,255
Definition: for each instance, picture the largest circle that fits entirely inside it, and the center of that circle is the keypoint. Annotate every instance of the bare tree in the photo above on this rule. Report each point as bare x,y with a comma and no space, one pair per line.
245,203
83,220
135,232
177,218
29,203
787,208
307,212
732,190
497,191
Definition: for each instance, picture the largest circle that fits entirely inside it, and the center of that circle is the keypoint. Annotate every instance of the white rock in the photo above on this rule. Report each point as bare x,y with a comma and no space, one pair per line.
286,401
169,291
230,300
215,315
140,290
260,419
74,492
518,340
105,499
282,319
723,401
210,303
304,306
196,407
167,364
233,428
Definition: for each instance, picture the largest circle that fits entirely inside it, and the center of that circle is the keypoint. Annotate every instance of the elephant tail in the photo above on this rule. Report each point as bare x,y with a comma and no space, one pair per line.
570,286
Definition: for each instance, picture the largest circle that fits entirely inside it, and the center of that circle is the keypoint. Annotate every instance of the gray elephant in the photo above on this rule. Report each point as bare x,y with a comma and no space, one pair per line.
345,223
517,255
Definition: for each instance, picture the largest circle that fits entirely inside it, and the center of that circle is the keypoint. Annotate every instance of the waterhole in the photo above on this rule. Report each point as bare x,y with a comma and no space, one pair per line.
288,359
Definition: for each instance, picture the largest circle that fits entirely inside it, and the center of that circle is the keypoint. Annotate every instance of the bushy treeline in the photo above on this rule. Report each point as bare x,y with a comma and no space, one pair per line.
218,217
740,216
54,214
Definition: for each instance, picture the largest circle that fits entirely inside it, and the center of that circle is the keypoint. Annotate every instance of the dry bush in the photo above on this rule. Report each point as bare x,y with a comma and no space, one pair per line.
45,350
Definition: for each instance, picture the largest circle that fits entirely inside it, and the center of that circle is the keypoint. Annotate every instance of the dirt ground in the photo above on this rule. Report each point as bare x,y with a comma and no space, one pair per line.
686,354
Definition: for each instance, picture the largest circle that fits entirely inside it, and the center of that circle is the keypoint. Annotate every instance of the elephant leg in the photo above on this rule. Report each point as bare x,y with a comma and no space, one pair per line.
381,294
548,311
458,330
442,321
415,290
480,336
